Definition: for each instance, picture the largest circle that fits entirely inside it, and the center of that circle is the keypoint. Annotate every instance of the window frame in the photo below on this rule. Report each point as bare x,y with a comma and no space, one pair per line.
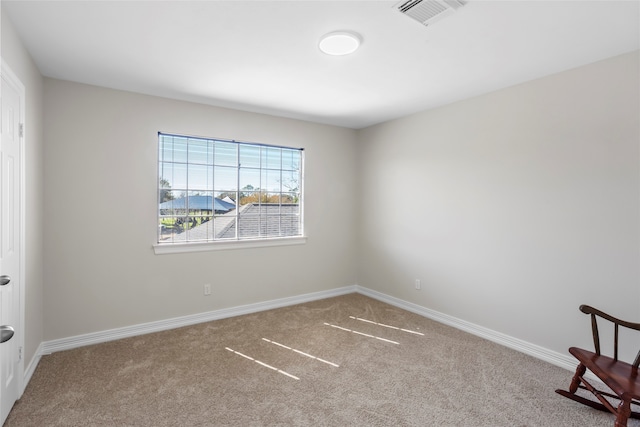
238,241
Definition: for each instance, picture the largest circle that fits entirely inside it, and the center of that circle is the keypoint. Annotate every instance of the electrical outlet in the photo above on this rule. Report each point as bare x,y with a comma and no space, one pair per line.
418,285
207,289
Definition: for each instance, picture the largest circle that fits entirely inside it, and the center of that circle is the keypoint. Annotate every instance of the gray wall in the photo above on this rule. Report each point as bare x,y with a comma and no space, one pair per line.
101,205
21,64
513,208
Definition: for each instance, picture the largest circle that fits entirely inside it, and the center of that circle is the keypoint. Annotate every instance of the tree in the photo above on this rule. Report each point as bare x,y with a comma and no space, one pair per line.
293,187
247,190
165,191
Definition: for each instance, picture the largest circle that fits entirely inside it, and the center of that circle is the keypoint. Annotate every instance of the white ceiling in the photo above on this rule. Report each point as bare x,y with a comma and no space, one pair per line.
262,56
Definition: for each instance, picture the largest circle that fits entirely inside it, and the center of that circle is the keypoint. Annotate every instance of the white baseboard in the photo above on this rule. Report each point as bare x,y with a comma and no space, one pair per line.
555,358
31,368
178,322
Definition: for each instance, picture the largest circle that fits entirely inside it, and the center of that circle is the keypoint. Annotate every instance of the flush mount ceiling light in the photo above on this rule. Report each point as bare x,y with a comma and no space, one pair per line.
339,43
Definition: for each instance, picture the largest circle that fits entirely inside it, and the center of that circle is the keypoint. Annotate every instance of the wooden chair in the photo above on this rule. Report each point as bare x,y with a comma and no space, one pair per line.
620,377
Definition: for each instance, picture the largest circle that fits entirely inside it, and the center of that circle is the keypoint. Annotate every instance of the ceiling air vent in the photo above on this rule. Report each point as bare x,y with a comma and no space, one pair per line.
428,11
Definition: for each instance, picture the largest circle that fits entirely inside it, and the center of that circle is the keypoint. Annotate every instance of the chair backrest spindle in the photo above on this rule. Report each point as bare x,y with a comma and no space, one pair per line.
615,342
596,336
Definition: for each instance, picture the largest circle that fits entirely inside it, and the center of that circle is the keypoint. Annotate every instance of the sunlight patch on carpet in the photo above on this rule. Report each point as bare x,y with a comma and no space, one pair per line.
301,352
361,333
263,364
387,326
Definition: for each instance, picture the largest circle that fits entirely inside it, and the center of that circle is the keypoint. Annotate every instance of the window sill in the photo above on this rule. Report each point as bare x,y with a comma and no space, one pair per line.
177,248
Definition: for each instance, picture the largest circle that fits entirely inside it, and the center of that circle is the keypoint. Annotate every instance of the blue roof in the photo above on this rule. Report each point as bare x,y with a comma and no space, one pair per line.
198,203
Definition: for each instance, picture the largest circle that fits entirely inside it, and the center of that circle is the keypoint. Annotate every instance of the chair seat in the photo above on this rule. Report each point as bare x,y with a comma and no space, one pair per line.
619,376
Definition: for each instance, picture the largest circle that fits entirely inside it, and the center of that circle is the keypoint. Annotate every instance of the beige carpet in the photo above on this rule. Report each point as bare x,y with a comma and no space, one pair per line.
316,364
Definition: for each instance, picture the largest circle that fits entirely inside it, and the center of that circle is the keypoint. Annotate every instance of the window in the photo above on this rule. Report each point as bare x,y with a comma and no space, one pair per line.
212,190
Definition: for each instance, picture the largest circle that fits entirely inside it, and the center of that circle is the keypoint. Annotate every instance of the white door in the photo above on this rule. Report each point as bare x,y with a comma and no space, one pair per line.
10,243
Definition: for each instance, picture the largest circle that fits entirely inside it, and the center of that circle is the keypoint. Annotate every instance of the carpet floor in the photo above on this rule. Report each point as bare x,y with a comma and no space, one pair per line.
344,361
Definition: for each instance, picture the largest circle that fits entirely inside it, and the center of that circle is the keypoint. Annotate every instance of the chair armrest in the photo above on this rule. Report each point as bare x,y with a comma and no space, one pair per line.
587,309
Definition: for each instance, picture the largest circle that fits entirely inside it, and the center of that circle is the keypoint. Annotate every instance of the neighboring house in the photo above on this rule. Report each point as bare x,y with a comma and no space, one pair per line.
263,220
253,220
229,200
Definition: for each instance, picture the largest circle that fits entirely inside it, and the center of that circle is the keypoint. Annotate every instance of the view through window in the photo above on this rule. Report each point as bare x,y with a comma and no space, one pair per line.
212,190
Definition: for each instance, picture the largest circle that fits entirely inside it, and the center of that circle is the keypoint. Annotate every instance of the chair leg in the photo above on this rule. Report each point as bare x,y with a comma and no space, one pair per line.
575,382
623,413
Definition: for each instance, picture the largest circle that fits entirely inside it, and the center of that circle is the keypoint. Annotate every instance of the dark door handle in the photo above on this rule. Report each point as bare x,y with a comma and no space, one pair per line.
6,333
4,280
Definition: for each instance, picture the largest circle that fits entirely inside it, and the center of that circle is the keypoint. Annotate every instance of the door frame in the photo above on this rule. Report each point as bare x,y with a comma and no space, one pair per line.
8,74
